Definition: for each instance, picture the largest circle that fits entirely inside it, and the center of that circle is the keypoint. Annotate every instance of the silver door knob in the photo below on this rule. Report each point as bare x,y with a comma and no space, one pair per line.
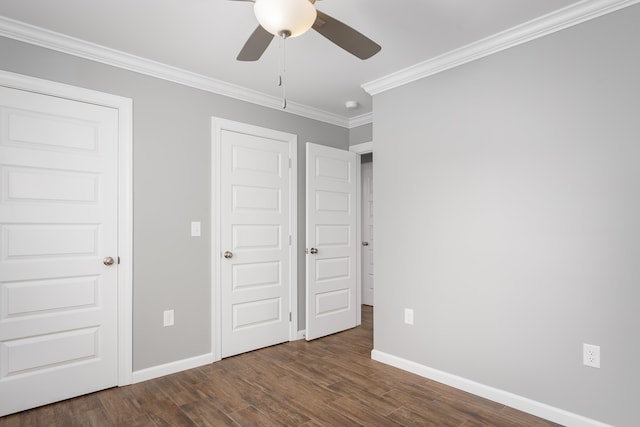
365,243
108,261
313,251
228,255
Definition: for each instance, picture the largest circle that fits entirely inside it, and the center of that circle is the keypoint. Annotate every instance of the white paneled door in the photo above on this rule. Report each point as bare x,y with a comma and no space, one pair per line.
330,241
255,224
58,249
367,233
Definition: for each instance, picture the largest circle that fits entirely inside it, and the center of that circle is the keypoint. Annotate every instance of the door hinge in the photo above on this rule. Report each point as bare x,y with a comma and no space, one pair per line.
118,260
289,239
289,316
290,162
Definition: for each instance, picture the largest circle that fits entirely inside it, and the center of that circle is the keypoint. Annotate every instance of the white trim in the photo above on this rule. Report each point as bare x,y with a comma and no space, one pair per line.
358,239
363,119
364,148
524,404
216,291
125,242
31,34
555,21
217,125
302,334
293,247
125,198
171,368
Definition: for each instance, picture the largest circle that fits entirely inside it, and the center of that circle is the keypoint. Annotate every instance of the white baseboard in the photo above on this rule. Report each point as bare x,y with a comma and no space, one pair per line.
302,334
524,404
171,368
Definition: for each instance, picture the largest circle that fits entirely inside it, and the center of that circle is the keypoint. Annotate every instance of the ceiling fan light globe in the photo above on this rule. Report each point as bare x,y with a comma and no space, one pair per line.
285,16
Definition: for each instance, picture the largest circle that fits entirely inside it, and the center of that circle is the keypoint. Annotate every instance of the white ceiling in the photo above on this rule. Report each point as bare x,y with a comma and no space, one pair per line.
204,37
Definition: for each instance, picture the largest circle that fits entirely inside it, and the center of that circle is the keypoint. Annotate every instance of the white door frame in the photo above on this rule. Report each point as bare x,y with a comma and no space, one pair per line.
125,197
217,124
360,149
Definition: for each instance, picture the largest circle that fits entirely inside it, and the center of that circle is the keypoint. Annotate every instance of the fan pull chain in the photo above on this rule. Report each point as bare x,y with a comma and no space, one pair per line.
281,82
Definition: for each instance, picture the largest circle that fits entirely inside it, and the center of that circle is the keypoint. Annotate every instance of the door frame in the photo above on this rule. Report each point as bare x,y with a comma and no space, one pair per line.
359,149
217,125
124,106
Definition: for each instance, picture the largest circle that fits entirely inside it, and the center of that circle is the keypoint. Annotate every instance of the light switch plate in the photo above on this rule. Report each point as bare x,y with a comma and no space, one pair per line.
408,316
195,228
168,318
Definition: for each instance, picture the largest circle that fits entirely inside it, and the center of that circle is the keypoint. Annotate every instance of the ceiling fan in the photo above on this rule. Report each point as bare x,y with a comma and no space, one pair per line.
290,18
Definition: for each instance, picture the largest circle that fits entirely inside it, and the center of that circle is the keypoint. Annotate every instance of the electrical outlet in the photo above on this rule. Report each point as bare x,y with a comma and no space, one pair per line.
408,316
591,355
168,318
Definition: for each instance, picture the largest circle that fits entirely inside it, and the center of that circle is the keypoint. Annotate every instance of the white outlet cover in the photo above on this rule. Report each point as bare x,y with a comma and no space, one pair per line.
591,355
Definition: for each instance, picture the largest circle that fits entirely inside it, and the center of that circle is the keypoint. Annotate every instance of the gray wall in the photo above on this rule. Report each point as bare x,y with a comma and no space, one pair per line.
361,134
508,218
172,186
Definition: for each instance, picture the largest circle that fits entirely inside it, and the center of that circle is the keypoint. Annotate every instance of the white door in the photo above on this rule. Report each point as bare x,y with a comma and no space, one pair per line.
58,224
331,241
367,233
255,235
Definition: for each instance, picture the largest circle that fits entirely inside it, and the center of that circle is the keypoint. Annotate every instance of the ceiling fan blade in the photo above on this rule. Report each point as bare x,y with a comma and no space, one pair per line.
346,37
256,45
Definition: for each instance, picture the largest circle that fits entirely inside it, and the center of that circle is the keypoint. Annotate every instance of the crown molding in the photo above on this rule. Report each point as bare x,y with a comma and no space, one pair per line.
363,119
569,16
31,34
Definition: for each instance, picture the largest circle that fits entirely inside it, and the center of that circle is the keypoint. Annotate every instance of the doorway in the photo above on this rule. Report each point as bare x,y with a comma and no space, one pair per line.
254,214
365,230
254,253
366,227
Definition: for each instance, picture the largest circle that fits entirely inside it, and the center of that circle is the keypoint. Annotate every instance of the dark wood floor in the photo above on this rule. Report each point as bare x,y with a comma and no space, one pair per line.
328,382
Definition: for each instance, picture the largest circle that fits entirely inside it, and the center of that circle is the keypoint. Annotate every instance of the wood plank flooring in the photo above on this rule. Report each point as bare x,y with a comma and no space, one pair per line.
327,382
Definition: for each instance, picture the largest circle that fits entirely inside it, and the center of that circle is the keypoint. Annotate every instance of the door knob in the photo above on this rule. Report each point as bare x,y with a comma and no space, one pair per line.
108,261
228,255
313,251
365,243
